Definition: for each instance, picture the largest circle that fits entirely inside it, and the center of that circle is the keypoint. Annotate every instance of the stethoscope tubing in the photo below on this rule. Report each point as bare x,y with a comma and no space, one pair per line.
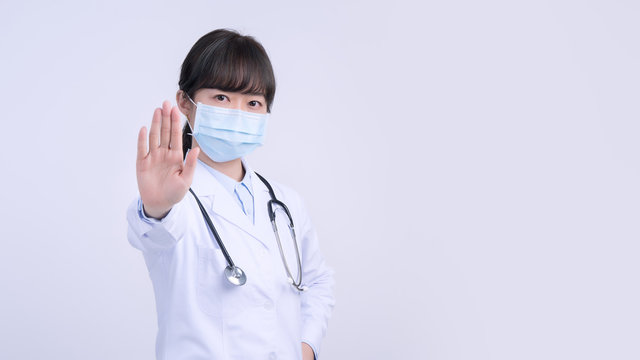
272,217
235,275
214,231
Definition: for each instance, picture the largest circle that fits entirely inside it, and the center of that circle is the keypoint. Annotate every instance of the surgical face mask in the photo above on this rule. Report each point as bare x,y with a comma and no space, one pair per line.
226,134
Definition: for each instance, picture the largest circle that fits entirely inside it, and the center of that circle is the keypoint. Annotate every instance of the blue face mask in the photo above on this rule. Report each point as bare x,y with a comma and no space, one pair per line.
227,134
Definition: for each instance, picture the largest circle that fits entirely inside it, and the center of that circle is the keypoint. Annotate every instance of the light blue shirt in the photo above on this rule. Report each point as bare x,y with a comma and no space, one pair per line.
241,192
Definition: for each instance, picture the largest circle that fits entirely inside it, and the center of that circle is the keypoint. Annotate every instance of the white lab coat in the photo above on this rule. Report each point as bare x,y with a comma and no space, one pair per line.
201,315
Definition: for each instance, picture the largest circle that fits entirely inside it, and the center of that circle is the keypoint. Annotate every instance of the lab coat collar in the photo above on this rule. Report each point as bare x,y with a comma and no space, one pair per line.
223,205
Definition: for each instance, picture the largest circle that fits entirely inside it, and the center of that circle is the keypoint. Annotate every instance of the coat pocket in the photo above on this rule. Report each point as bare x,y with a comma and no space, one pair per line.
216,296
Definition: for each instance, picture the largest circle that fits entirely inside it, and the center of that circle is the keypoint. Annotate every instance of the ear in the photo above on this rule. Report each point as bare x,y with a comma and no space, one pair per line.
186,107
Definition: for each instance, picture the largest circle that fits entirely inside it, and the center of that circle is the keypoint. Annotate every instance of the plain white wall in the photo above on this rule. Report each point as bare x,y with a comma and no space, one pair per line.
471,167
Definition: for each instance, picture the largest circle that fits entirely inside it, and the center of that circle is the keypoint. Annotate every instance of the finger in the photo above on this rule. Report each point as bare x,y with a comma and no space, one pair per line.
176,131
165,128
154,132
190,165
142,143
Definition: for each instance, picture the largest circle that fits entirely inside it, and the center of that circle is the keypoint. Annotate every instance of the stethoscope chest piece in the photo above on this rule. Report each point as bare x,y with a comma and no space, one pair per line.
235,275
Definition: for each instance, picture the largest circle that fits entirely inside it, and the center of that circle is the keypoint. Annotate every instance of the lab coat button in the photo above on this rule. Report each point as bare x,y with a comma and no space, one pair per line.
268,306
273,356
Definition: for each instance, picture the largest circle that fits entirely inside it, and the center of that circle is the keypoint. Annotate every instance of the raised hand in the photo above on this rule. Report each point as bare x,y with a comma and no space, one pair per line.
163,178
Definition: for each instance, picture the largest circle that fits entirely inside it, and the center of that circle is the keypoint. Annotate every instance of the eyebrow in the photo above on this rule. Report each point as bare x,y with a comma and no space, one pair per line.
242,92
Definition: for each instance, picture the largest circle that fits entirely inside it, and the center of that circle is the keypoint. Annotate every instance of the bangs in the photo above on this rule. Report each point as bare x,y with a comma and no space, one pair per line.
238,70
237,64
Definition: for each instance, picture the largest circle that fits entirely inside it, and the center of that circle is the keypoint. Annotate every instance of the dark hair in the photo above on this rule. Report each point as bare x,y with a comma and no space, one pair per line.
223,59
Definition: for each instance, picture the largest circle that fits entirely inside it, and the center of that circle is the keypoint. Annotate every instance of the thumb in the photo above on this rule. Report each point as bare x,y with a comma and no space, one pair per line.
190,164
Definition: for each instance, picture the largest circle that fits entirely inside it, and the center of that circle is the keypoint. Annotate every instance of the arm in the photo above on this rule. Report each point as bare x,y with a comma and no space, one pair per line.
317,300
151,235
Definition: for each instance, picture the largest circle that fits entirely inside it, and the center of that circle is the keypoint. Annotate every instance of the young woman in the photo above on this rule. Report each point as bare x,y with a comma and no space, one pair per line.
233,257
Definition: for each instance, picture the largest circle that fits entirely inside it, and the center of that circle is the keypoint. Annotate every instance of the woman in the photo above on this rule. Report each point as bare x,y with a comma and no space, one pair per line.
237,295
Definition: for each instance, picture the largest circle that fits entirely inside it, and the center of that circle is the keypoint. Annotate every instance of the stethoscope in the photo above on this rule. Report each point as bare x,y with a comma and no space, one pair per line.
234,274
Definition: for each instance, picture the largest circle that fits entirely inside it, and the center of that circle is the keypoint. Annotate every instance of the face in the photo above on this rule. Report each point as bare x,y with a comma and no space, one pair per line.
225,99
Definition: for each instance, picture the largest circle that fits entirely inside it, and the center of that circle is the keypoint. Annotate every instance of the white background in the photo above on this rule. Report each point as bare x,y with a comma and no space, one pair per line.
471,167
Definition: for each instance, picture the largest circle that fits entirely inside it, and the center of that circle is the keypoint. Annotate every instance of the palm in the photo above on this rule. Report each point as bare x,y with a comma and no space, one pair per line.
163,178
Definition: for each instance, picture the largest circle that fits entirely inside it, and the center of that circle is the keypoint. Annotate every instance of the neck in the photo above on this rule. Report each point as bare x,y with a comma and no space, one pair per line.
232,169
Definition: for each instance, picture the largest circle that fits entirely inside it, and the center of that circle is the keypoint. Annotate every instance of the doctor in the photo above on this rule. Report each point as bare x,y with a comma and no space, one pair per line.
226,90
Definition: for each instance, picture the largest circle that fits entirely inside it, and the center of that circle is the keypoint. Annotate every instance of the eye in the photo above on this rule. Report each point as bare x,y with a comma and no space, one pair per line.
255,103
221,97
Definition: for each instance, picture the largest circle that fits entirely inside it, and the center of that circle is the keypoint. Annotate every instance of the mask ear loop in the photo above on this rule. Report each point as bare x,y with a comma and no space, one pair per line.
196,105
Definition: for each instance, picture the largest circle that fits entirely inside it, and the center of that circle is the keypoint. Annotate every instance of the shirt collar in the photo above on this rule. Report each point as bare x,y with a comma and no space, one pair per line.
228,183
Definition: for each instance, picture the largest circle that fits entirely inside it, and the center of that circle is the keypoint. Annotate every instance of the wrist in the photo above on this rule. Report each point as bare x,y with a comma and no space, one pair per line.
155,213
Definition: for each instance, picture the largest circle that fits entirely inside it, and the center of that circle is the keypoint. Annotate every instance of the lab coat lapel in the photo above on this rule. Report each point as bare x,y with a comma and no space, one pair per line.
261,200
224,206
